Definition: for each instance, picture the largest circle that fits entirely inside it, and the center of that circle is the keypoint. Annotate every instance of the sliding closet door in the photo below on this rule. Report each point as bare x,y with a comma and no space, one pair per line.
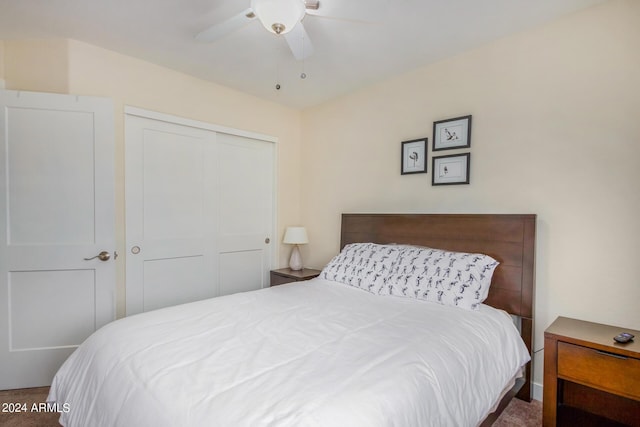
245,201
170,214
199,212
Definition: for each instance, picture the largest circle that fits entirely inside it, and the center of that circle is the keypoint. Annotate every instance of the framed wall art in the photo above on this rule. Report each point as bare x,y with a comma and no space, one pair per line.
452,133
451,170
414,156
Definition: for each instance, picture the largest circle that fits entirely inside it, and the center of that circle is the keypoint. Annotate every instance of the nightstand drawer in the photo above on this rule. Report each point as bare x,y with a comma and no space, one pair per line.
604,371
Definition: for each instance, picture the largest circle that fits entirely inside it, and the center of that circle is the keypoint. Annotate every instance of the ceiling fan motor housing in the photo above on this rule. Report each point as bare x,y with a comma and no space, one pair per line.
279,16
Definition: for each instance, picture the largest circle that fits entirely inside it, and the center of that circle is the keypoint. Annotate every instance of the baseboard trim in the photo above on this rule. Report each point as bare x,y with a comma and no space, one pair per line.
537,391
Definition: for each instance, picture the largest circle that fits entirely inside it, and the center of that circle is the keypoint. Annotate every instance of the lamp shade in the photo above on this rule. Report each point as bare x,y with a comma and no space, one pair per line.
295,236
278,16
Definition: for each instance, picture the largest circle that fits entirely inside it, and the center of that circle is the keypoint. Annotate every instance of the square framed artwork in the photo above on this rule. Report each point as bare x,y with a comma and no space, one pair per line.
452,133
414,156
451,170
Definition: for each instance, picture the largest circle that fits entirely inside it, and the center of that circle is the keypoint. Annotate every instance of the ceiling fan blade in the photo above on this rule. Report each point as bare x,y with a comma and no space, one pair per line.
339,19
226,27
299,42
312,7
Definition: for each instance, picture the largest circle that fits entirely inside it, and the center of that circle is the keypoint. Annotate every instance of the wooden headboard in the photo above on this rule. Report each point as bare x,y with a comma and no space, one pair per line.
509,239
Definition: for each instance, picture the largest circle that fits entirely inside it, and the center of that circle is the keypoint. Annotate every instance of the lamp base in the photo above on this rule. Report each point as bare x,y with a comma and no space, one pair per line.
295,262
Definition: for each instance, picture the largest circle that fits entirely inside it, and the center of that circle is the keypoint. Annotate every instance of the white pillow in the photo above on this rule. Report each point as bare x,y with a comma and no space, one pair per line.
362,265
449,278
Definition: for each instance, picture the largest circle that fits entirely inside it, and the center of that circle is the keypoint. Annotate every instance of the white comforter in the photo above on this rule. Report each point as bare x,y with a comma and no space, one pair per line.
314,353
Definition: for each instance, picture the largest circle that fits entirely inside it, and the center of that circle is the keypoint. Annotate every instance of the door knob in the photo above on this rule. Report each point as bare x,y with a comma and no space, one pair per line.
102,256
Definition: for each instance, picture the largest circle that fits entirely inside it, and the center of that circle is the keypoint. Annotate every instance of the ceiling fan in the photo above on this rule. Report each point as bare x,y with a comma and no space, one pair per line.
282,17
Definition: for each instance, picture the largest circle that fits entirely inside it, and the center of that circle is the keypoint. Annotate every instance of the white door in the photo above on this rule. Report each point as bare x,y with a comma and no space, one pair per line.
56,209
245,201
169,214
183,195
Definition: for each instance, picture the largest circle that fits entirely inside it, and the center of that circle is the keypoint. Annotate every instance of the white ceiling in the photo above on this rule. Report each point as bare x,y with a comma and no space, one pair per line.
370,41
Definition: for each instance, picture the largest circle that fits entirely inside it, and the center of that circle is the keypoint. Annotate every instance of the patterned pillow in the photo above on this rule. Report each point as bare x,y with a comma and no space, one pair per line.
363,265
450,278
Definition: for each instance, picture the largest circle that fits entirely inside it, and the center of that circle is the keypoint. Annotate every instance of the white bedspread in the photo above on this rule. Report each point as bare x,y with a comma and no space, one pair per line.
313,353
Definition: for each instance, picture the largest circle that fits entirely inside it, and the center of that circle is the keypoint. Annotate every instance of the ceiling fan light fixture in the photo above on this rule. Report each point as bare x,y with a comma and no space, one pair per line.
279,16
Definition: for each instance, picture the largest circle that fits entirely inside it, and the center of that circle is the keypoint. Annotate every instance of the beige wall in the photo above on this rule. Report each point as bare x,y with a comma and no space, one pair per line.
41,66
2,61
89,70
556,132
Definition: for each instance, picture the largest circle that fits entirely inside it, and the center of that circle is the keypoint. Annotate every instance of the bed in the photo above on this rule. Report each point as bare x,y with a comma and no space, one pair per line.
323,352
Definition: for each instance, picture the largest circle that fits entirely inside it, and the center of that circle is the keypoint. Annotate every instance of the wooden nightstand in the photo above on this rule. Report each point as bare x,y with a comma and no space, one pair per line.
589,379
287,275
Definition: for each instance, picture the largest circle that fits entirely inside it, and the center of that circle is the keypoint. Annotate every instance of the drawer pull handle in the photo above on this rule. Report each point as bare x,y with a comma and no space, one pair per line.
617,356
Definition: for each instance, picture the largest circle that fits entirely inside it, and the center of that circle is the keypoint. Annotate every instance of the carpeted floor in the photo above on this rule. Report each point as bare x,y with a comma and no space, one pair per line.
24,399
521,414
516,414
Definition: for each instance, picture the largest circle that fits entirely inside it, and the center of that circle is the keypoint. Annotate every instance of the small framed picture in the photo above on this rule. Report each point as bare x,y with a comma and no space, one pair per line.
450,170
452,133
414,156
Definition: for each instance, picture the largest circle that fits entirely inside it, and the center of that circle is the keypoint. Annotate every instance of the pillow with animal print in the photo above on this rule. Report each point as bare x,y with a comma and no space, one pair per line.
363,265
450,278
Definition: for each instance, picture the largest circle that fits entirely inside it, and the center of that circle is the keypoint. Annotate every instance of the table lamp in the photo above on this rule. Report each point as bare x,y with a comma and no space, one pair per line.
295,236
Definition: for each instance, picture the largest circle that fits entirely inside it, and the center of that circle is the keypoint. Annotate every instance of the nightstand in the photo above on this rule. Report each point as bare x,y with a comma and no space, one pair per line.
287,275
589,379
